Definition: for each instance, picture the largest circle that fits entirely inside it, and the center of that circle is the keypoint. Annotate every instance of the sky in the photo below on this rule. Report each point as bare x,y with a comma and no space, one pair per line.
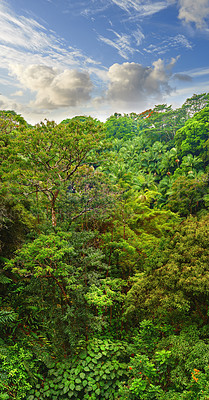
61,58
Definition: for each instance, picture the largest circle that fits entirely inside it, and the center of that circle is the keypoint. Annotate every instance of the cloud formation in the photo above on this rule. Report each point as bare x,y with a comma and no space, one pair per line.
182,77
123,43
171,42
196,11
24,40
143,7
61,76
133,83
54,89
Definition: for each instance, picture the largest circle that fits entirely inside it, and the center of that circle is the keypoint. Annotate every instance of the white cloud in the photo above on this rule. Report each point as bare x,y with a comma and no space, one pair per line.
138,36
54,89
196,11
25,41
25,33
171,42
8,104
181,40
132,83
123,43
18,93
143,7
199,72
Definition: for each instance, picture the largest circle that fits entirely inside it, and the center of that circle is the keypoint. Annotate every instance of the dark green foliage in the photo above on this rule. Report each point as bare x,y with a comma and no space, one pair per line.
94,372
176,286
187,194
18,372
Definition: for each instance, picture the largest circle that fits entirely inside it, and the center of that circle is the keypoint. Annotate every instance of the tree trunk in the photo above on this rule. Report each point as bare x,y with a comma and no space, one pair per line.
54,218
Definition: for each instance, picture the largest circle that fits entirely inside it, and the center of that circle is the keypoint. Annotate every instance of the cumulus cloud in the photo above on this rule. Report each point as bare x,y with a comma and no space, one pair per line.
131,82
54,89
8,104
195,11
18,93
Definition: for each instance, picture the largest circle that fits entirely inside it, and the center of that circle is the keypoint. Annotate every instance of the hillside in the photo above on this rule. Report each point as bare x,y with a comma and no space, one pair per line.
104,244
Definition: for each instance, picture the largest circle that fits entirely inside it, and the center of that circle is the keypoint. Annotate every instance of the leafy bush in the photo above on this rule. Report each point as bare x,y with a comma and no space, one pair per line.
94,373
17,374
147,378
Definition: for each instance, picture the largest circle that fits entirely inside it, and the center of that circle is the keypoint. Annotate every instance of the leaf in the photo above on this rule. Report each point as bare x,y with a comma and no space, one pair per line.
72,386
65,390
112,375
82,356
98,355
77,371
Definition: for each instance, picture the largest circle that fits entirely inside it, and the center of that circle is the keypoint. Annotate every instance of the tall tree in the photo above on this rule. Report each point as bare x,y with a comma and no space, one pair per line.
45,159
192,137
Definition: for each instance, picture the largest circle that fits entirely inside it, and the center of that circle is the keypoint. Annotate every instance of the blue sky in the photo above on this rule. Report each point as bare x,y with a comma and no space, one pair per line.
60,58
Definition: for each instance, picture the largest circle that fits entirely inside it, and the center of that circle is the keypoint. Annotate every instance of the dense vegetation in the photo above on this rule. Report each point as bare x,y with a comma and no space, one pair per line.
104,279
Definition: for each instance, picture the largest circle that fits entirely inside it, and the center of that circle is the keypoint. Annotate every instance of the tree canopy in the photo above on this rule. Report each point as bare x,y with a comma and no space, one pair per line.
104,256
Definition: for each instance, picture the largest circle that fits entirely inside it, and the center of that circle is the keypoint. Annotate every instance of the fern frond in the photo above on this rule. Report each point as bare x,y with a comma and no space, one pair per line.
7,317
4,280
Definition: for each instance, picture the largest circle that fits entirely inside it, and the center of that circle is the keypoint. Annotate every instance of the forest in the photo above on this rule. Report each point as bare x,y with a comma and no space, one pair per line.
104,263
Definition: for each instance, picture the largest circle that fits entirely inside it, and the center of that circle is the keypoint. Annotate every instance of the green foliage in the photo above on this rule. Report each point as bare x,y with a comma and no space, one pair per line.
45,256
17,374
7,316
146,377
187,194
191,138
120,127
104,282
176,284
41,161
196,103
95,372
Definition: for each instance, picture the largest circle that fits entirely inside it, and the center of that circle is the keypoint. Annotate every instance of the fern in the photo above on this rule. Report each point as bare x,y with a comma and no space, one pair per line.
7,317
4,280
